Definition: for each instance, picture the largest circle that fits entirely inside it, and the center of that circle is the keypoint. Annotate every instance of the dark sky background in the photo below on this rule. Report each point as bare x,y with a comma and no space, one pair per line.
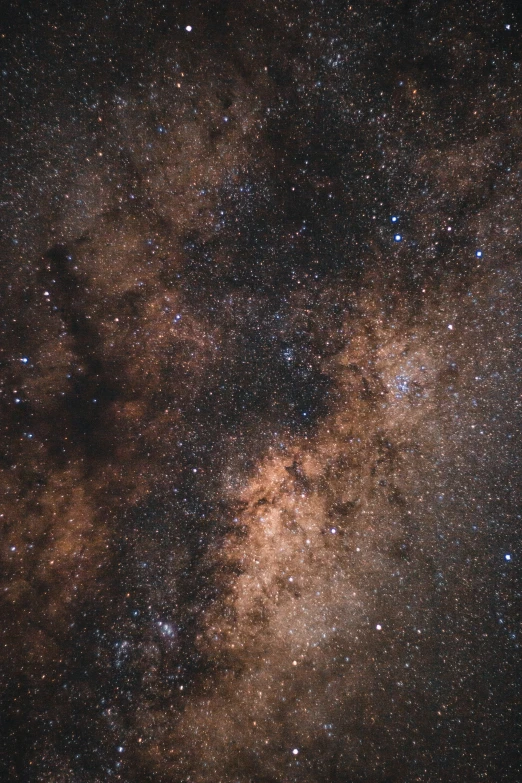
261,393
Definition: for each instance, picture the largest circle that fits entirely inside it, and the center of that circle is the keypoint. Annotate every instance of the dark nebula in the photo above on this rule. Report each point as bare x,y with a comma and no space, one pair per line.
261,392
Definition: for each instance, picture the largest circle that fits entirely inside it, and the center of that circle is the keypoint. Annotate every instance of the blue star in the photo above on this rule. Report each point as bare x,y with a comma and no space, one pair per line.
478,253
398,237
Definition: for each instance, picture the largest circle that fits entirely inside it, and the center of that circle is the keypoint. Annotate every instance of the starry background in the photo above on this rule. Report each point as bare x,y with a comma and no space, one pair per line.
260,392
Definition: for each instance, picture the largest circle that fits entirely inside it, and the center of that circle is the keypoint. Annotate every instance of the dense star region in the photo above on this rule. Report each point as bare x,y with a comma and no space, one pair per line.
261,394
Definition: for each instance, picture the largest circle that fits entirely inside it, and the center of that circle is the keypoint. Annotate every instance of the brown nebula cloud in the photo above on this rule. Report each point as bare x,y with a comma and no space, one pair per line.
260,394
350,588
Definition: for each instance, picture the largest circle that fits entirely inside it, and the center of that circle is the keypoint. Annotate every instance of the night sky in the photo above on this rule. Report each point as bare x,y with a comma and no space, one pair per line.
260,391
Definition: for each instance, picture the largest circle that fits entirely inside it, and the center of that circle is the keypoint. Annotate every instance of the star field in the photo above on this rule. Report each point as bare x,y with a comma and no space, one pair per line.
260,391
